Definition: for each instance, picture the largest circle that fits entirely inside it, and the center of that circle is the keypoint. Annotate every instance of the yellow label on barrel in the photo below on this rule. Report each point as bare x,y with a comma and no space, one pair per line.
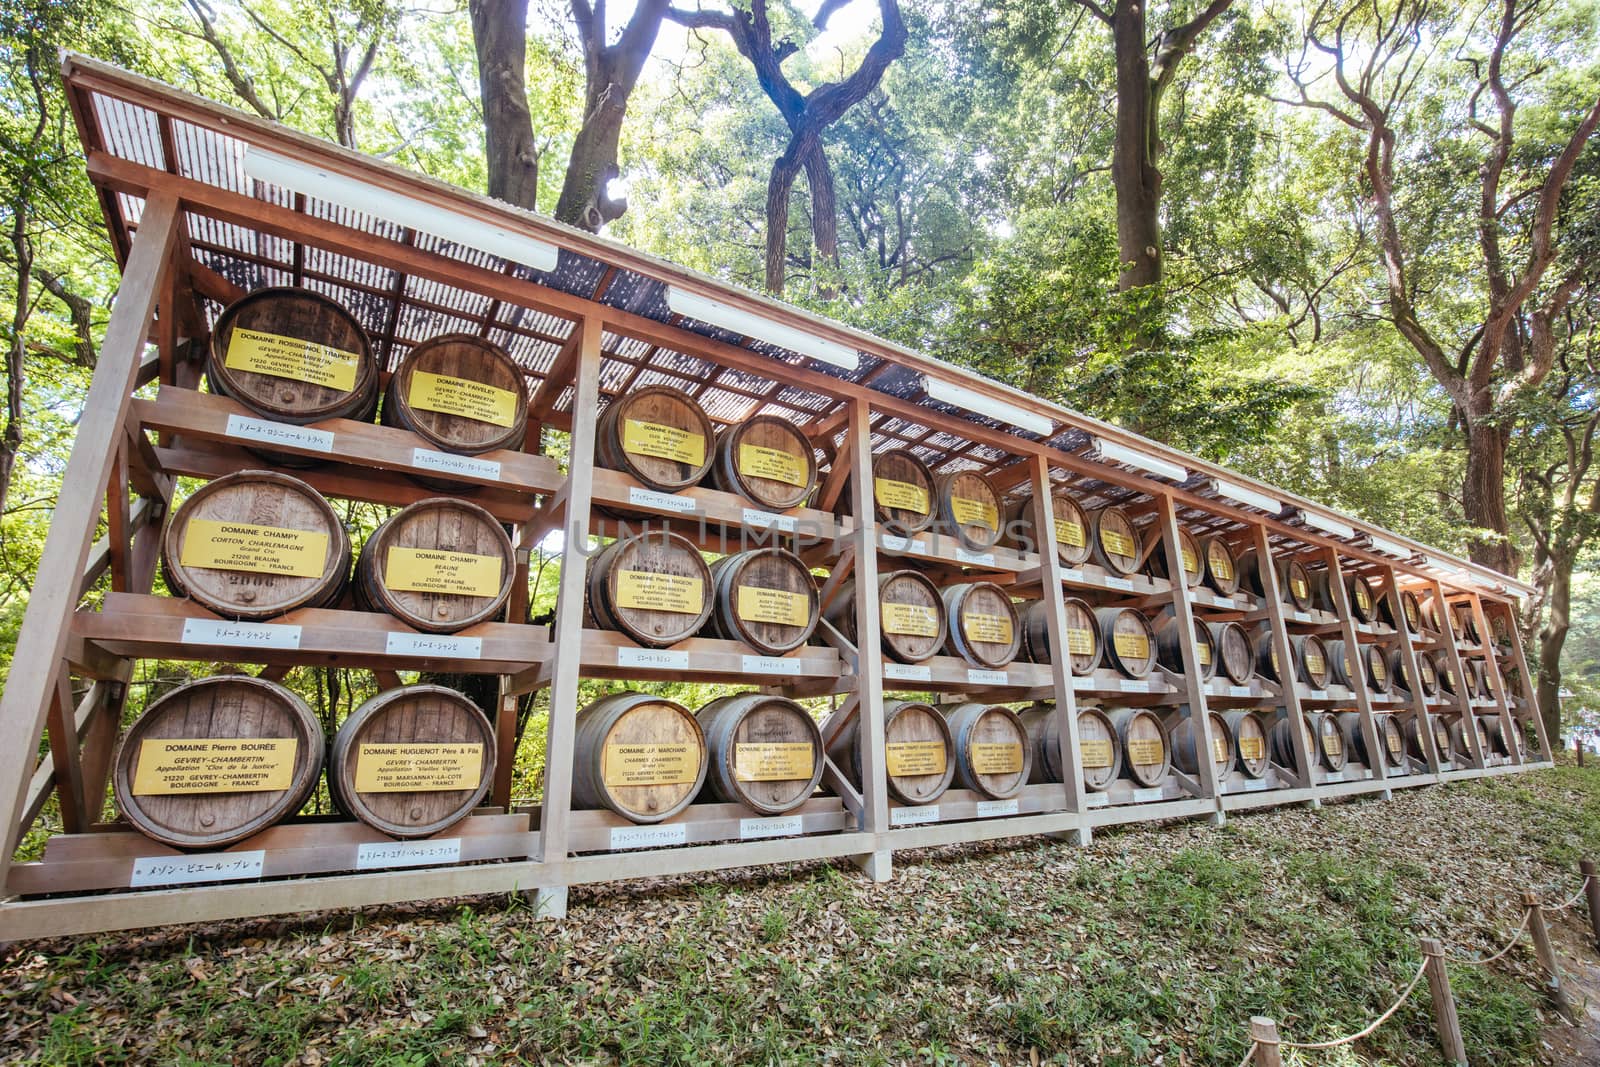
777,761
1190,564
641,438
1429,675
649,591
237,546
173,765
1392,739
1202,652
910,620
1069,533
1252,748
988,629
1363,597
1144,751
1412,612
990,757
1132,646
428,570
969,512
1315,664
1116,543
1332,744
1220,562
1298,586
1379,671
902,496
773,605
418,767
292,358
1080,642
1094,754
907,759
774,464
1219,750
647,764
449,395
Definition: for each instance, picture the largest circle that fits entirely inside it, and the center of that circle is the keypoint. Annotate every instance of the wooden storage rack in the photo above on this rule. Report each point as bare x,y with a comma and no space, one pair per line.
192,234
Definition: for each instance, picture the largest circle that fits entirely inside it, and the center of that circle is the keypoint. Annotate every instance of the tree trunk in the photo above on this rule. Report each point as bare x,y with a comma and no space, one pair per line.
11,441
824,211
500,34
779,185
1552,637
1484,494
1133,158
584,201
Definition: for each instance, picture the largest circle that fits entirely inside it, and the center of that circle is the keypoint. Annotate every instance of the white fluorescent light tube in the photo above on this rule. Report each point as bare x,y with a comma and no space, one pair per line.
1389,548
1241,494
1111,450
1328,524
335,188
694,306
977,403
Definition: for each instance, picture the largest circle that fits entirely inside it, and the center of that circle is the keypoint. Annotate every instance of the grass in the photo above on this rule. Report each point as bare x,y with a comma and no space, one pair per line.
1152,945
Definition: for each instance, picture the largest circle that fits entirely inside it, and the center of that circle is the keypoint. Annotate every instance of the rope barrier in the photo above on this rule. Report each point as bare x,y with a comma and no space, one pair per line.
1249,1054
1422,970
1470,961
1574,898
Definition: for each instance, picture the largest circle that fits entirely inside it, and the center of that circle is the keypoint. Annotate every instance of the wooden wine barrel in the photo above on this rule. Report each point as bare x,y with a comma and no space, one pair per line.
1467,625
982,624
1185,743
293,355
917,752
1071,527
765,752
217,760
1392,742
1222,569
765,597
1099,750
658,434
1249,742
1330,741
641,756
1504,741
991,748
1235,657
971,507
1362,597
1116,542
1311,660
1266,654
1443,742
441,565
254,544
1446,673
652,586
911,616
902,492
1169,645
460,393
1146,750
1350,671
412,761
1295,581
1414,735
1083,634
1427,674
1248,567
1282,739
1471,687
1411,611
1322,591
1189,554
1128,640
766,460
1460,745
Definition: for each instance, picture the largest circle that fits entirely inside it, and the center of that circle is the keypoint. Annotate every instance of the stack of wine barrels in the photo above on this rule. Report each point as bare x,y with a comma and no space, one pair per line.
217,760
412,761
256,544
992,750
440,565
643,757
293,355
765,752
651,587
1082,634
918,752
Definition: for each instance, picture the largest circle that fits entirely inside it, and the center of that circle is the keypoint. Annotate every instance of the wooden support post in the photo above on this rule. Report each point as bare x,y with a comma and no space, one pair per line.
1044,521
1379,769
1194,687
878,864
1591,891
48,619
1408,656
1288,677
1264,1032
1447,638
1444,1004
1528,692
551,901
1546,952
1497,684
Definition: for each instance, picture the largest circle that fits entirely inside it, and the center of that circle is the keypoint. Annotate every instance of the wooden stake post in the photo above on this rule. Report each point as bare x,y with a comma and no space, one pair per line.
132,449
